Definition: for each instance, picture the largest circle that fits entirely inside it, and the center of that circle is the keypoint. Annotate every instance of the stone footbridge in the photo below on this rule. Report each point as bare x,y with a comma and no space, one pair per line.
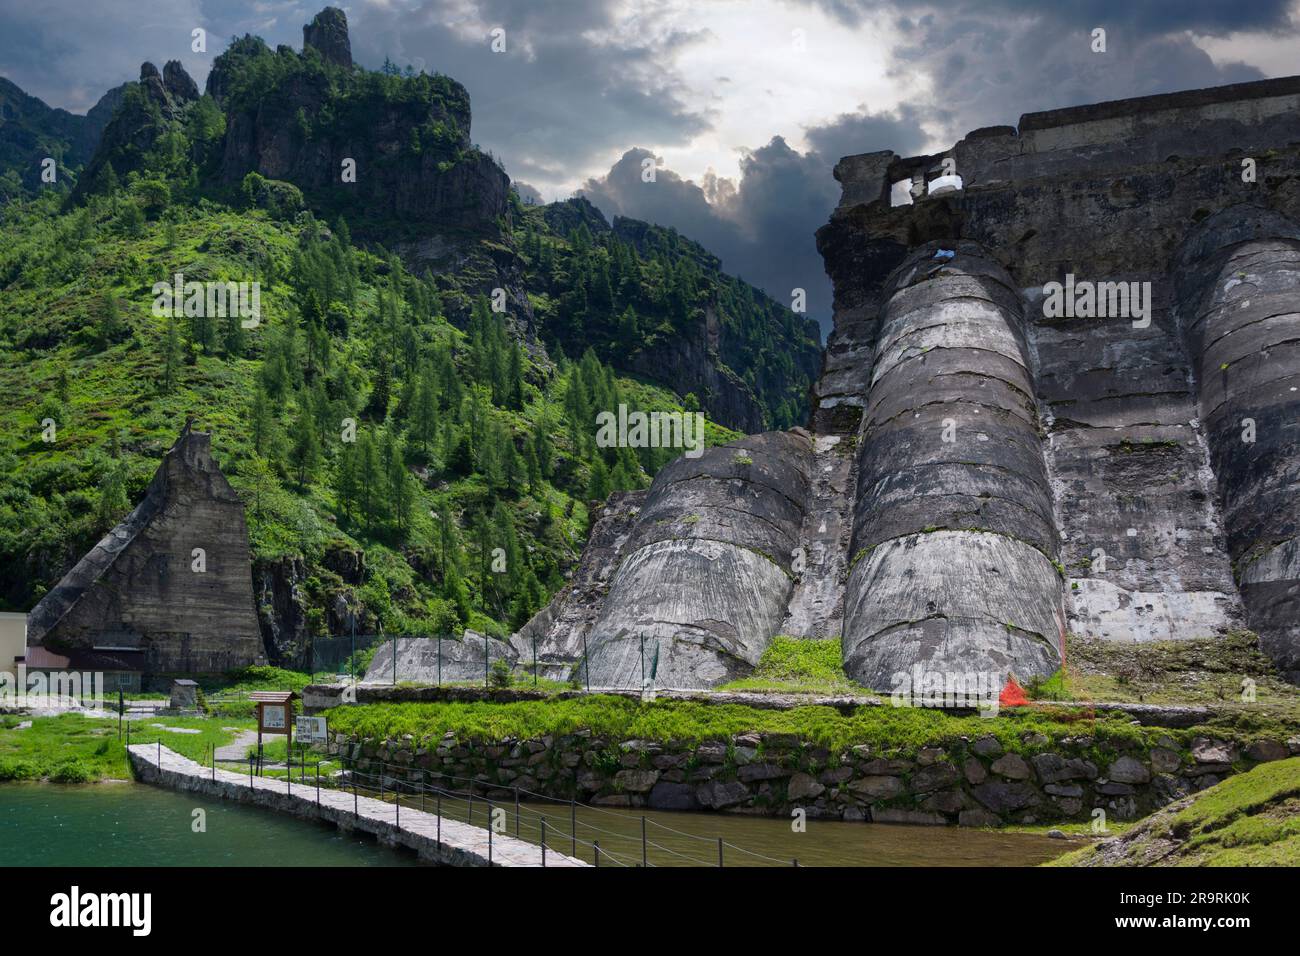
453,843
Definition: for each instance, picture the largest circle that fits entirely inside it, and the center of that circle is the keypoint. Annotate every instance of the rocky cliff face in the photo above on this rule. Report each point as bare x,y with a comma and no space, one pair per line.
305,117
138,116
1009,473
172,580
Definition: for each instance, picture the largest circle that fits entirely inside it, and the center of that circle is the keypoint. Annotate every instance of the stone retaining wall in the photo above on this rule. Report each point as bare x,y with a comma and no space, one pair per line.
971,782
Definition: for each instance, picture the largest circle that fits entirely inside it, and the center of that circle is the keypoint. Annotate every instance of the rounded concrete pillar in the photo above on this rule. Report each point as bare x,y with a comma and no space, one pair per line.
954,537
1239,307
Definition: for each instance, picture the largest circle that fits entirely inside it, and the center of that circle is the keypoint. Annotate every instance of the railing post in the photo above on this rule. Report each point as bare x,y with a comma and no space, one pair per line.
397,801
644,862
440,816
586,661
250,771
516,811
490,829
573,826
596,845
543,841
355,813
719,851
317,784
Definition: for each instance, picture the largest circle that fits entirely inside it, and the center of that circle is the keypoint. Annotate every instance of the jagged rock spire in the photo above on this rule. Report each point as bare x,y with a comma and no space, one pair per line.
179,83
328,35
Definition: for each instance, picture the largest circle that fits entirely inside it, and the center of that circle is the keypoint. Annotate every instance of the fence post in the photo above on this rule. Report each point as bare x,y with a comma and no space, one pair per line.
250,771
394,658
543,841
516,811
490,829
644,862
355,813
397,801
160,755
596,845
317,784
573,826
440,816
719,851
470,818
439,660
486,682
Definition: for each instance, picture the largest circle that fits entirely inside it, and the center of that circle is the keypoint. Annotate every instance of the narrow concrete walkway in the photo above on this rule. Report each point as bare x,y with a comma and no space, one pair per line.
237,749
461,844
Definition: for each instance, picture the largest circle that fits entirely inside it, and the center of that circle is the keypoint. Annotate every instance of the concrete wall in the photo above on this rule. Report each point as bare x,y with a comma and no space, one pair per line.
13,640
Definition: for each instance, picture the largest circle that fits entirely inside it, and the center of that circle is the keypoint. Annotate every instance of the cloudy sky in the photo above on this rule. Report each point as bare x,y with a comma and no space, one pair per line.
745,105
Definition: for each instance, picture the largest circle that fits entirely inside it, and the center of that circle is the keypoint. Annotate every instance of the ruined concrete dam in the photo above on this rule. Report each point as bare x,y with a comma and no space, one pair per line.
1060,399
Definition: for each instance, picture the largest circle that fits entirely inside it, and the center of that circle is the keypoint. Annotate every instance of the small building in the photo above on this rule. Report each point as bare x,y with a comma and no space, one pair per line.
121,668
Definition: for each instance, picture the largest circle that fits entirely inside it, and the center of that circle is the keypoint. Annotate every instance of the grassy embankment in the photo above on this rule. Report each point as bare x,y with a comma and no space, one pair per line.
71,748
1252,819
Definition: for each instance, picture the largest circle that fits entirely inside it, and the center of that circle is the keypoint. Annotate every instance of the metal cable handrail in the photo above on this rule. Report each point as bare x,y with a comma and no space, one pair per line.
474,782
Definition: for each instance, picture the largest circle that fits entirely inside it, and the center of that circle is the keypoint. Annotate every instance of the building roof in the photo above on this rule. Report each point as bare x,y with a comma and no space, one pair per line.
42,658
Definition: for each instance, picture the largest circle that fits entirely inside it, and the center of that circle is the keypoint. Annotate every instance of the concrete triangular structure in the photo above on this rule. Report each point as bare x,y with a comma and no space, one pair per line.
140,587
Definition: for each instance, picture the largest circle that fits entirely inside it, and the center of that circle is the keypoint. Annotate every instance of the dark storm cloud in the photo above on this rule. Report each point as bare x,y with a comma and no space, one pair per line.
991,61
760,225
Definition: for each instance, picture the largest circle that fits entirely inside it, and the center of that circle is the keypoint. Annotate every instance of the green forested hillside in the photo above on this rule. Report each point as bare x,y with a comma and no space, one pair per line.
463,442
422,385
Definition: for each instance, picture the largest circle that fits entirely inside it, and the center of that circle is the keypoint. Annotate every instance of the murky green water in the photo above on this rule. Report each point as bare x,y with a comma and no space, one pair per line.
691,839
127,824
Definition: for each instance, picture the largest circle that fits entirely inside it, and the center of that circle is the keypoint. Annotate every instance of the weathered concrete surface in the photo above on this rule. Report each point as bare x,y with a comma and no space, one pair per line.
1240,308
427,660
1136,502
1110,192
954,534
816,608
138,587
558,629
708,571
461,844
1083,489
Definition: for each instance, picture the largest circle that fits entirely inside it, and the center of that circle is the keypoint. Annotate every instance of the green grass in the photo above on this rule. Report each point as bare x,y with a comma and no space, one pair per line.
71,748
799,666
1251,819
884,728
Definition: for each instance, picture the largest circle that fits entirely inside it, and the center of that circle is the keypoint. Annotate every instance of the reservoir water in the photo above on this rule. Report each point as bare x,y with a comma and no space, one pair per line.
128,824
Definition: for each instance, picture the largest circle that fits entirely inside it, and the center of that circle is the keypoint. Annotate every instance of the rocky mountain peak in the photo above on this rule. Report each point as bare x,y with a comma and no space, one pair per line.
327,34
179,83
